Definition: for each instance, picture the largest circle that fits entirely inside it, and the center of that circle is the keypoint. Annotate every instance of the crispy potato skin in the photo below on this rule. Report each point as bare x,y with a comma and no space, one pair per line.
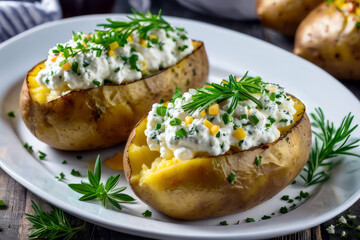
200,188
330,39
284,15
104,116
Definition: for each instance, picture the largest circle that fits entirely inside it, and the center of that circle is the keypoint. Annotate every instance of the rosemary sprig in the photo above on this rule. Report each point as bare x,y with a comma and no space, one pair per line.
241,90
97,190
120,30
334,142
50,225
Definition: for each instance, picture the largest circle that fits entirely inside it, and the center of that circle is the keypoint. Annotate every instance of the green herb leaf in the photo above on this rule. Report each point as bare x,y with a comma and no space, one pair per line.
283,209
265,217
334,142
61,177
11,114
249,220
75,173
161,111
175,122
42,155
181,132
97,190
52,225
232,178
258,160
147,213
226,118
2,204
96,83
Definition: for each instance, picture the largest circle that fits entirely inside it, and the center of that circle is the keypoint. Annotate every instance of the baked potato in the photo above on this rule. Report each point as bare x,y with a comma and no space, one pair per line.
201,187
330,38
284,15
103,116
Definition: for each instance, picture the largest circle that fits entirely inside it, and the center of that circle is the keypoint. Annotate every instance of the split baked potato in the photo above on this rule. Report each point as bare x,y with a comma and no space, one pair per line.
200,187
330,38
284,15
103,116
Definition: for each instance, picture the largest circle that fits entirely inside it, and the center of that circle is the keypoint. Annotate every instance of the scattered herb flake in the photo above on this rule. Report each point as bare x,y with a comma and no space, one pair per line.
78,157
223,223
161,111
28,147
181,132
285,197
232,178
265,217
147,213
61,177
11,114
249,220
75,173
64,162
283,209
42,155
2,204
258,160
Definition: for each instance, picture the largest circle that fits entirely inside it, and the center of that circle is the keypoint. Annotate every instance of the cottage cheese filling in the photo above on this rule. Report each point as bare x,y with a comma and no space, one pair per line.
175,133
96,64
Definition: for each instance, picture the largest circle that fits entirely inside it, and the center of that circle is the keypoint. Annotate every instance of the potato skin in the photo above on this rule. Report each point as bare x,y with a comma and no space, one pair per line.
104,116
284,15
330,39
200,188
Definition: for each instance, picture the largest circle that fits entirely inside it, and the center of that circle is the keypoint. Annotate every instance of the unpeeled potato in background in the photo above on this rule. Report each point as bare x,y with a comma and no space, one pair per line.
330,38
284,15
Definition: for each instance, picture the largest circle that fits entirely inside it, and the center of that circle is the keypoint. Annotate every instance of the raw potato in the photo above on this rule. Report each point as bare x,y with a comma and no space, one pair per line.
103,116
284,15
200,188
330,38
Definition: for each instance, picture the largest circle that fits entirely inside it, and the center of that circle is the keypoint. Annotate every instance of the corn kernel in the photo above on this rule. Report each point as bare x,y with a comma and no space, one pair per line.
87,37
239,134
214,109
203,113
272,88
144,67
114,45
143,43
129,39
66,66
111,53
54,59
208,124
188,120
165,104
152,36
84,44
214,129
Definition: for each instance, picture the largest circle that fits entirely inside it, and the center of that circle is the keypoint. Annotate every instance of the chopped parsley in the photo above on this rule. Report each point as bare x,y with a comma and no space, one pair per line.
61,177
232,178
249,220
64,162
75,173
283,209
285,197
258,160
147,213
265,217
42,155
28,147
11,114
224,223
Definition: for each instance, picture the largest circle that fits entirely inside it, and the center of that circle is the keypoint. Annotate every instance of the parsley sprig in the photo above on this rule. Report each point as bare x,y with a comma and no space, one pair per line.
238,91
97,190
120,30
329,143
50,225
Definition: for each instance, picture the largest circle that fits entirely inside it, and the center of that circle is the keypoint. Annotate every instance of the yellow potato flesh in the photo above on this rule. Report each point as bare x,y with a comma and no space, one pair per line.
200,187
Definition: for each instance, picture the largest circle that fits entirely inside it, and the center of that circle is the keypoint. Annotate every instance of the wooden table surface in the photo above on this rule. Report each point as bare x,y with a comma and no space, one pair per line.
13,223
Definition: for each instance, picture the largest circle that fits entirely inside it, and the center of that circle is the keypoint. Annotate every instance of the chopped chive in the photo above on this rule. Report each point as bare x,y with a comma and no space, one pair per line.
232,178
272,96
28,147
223,223
183,48
2,204
287,139
278,103
244,116
161,110
116,69
181,132
226,118
175,122
254,119
63,62
272,120
304,194
258,160
158,126
218,134
283,120
64,162
97,83
285,197
293,182
42,155
249,220
85,64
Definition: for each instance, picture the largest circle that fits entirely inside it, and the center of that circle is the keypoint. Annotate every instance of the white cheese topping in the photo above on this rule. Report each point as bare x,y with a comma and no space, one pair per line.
342,220
168,132
99,65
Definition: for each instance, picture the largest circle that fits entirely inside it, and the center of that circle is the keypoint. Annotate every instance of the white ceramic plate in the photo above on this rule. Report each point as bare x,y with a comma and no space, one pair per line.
229,52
